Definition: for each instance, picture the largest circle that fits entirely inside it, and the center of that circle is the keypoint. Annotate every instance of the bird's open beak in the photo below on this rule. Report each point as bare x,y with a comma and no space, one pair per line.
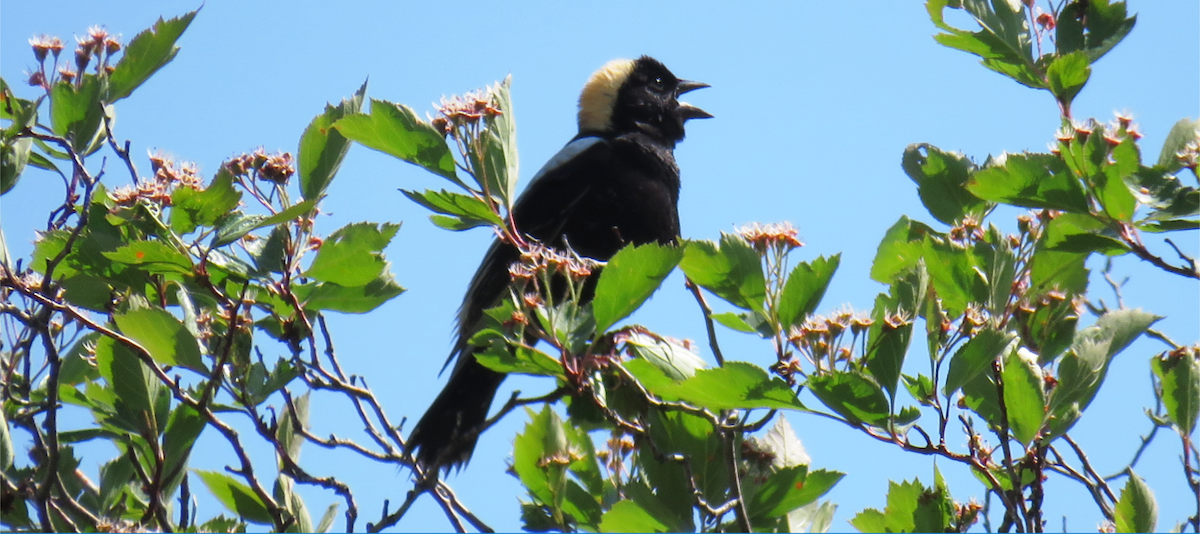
689,111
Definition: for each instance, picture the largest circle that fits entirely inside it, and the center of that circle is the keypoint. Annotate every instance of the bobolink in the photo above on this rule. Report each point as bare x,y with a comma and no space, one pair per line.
615,183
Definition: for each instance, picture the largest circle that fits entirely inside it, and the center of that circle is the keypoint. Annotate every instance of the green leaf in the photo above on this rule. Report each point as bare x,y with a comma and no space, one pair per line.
734,321
466,211
1183,132
327,519
394,129
1024,395
737,385
1066,75
903,498
1063,271
353,299
153,256
77,113
788,489
940,178
629,279
674,359
974,357
192,208
1136,510
1003,43
1030,180
853,395
14,154
287,434
888,338
236,496
921,388
804,289
900,249
1113,193
1082,234
500,164
499,357
1179,374
7,453
733,270
1105,25
1082,370
322,147
628,516
353,255
147,52
160,333
183,428
132,383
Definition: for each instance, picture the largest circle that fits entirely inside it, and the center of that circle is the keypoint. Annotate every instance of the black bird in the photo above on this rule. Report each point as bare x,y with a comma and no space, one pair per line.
614,184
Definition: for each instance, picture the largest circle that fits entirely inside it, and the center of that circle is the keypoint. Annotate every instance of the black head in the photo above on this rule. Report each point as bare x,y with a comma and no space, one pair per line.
642,95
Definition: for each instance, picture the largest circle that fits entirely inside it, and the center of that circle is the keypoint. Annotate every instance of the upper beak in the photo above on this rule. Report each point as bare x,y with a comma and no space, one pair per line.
689,111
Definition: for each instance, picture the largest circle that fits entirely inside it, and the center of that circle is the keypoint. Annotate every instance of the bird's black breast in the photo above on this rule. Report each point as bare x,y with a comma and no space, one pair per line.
617,191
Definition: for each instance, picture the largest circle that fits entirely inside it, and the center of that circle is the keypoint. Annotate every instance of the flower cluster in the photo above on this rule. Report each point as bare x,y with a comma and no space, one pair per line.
763,237
276,168
459,111
169,175
98,44
824,342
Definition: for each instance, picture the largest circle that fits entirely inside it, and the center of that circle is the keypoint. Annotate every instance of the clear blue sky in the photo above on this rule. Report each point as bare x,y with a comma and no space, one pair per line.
814,103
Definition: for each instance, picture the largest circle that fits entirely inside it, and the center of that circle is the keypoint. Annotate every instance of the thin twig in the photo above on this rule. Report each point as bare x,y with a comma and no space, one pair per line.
708,322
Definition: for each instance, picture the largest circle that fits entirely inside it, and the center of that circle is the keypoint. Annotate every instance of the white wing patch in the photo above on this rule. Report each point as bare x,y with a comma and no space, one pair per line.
574,148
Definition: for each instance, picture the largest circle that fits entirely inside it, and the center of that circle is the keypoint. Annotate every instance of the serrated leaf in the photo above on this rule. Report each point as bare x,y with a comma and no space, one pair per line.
1136,510
852,395
236,496
941,178
1024,395
353,255
737,385
974,357
353,299
674,359
153,256
1179,374
1066,76
804,289
147,52
322,147
1183,132
468,211
628,516
1032,181
160,333
788,489
733,321
192,208
394,129
900,249
629,279
1079,233
732,270
131,382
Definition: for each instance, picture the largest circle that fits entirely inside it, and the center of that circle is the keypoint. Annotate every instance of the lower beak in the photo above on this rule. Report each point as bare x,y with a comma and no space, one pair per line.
688,111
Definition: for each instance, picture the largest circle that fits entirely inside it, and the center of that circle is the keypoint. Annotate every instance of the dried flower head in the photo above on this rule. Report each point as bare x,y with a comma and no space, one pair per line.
763,237
36,79
66,73
468,108
44,44
278,168
1046,21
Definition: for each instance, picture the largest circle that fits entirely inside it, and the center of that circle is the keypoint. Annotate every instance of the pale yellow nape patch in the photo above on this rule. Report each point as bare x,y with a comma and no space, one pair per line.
599,96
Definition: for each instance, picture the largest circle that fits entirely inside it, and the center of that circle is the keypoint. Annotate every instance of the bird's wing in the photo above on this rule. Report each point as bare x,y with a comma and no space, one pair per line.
561,183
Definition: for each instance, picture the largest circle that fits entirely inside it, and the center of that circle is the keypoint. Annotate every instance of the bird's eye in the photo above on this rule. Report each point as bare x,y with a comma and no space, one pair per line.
657,83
